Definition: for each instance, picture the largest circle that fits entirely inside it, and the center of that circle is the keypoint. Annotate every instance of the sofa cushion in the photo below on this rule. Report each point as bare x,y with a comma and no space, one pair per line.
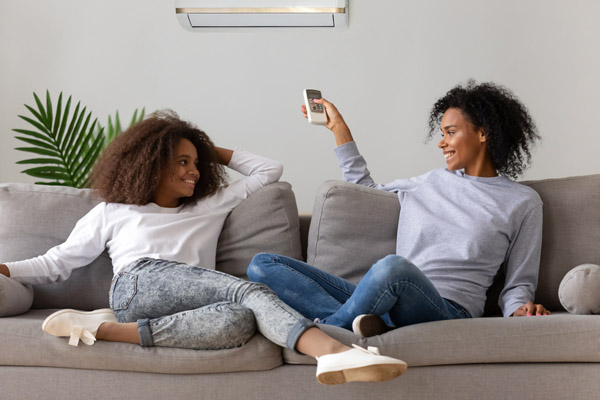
353,226
265,222
36,218
554,338
571,233
15,298
31,347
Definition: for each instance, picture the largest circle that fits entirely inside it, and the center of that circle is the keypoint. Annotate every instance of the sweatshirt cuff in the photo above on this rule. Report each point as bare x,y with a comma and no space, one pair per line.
15,272
346,151
510,309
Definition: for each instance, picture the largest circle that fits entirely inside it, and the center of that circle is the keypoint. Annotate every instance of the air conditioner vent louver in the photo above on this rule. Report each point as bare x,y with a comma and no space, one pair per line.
197,15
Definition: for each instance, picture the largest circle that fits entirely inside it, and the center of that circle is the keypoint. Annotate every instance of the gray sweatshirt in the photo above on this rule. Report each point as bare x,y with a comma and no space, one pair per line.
460,229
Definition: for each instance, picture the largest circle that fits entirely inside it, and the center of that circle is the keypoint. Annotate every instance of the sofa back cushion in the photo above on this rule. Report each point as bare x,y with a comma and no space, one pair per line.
36,218
353,226
571,233
267,221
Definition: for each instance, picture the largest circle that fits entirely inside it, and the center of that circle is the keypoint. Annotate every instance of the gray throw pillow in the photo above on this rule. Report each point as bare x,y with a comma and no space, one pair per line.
579,291
15,298
352,227
267,221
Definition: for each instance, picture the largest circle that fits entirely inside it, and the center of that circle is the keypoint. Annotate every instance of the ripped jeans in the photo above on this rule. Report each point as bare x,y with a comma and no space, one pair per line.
178,305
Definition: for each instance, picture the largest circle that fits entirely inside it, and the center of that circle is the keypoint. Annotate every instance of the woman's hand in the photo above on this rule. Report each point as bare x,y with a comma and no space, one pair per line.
4,270
335,122
223,155
530,309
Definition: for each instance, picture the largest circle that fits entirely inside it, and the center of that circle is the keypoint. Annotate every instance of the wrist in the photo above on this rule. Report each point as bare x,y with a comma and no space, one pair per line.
4,270
342,134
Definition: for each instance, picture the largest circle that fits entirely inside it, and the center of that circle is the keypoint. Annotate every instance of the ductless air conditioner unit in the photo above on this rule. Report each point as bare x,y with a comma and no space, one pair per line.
196,15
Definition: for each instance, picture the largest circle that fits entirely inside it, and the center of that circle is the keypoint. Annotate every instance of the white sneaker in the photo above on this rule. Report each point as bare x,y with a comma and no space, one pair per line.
78,325
358,364
367,325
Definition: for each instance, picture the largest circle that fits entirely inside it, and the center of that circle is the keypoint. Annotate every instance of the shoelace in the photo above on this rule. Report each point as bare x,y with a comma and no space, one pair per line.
80,333
369,350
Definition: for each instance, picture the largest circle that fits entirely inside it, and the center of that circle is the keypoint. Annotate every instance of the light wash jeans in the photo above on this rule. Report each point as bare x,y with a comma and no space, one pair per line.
393,288
178,305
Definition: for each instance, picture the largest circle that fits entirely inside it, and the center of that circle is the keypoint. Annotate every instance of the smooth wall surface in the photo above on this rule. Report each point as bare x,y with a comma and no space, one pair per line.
244,87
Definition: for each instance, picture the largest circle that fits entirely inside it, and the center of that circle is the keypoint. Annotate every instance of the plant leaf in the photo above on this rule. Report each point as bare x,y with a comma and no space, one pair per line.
63,124
36,124
48,111
48,172
68,145
42,152
40,108
40,161
38,143
35,114
34,134
117,124
46,169
58,112
77,115
82,174
78,142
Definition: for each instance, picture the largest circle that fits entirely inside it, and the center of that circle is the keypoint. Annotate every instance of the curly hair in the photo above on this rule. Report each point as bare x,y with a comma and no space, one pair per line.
129,170
506,123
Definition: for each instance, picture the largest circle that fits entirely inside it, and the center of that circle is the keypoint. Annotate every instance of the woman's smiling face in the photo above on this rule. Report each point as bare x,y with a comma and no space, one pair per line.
180,177
464,146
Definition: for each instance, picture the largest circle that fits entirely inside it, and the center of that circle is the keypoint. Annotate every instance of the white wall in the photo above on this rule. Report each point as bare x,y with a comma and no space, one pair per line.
244,87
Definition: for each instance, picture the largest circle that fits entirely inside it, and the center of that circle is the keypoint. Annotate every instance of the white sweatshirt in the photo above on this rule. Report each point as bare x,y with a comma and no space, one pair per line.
186,234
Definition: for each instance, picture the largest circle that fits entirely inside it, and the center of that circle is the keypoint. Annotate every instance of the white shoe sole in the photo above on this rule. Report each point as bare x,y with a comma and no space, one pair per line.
369,373
358,364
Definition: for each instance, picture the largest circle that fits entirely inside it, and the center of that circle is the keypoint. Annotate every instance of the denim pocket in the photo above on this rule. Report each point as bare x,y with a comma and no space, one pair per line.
123,291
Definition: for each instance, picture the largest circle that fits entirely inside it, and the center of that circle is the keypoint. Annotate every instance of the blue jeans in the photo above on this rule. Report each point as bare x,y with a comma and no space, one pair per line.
393,288
178,305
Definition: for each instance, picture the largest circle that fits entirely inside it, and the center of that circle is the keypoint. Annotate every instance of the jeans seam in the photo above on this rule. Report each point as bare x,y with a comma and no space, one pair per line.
329,282
320,288
413,285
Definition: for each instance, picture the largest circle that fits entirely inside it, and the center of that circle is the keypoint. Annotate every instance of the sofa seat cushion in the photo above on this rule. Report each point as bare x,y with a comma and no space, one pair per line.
30,346
554,338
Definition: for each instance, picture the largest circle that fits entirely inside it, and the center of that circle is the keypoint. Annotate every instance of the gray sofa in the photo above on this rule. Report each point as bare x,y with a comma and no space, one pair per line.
550,357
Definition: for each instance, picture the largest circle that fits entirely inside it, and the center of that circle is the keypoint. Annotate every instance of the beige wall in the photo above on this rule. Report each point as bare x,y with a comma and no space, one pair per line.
244,87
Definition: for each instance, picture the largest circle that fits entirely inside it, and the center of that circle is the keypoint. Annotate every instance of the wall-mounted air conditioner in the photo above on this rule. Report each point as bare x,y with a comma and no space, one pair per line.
196,15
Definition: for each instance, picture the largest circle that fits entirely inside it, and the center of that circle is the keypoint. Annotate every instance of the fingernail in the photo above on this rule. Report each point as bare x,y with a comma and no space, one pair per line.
530,315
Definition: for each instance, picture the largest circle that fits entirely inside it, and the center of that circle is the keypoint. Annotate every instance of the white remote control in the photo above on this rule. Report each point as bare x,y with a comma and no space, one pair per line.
316,112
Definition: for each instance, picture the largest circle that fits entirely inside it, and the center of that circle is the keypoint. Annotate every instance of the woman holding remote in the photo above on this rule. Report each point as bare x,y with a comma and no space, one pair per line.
163,183
458,225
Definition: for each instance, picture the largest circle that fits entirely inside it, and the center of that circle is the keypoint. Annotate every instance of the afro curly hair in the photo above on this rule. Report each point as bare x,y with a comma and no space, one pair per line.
506,123
129,170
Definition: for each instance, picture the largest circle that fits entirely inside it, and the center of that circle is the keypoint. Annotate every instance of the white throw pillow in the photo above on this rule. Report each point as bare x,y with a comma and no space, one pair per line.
579,291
